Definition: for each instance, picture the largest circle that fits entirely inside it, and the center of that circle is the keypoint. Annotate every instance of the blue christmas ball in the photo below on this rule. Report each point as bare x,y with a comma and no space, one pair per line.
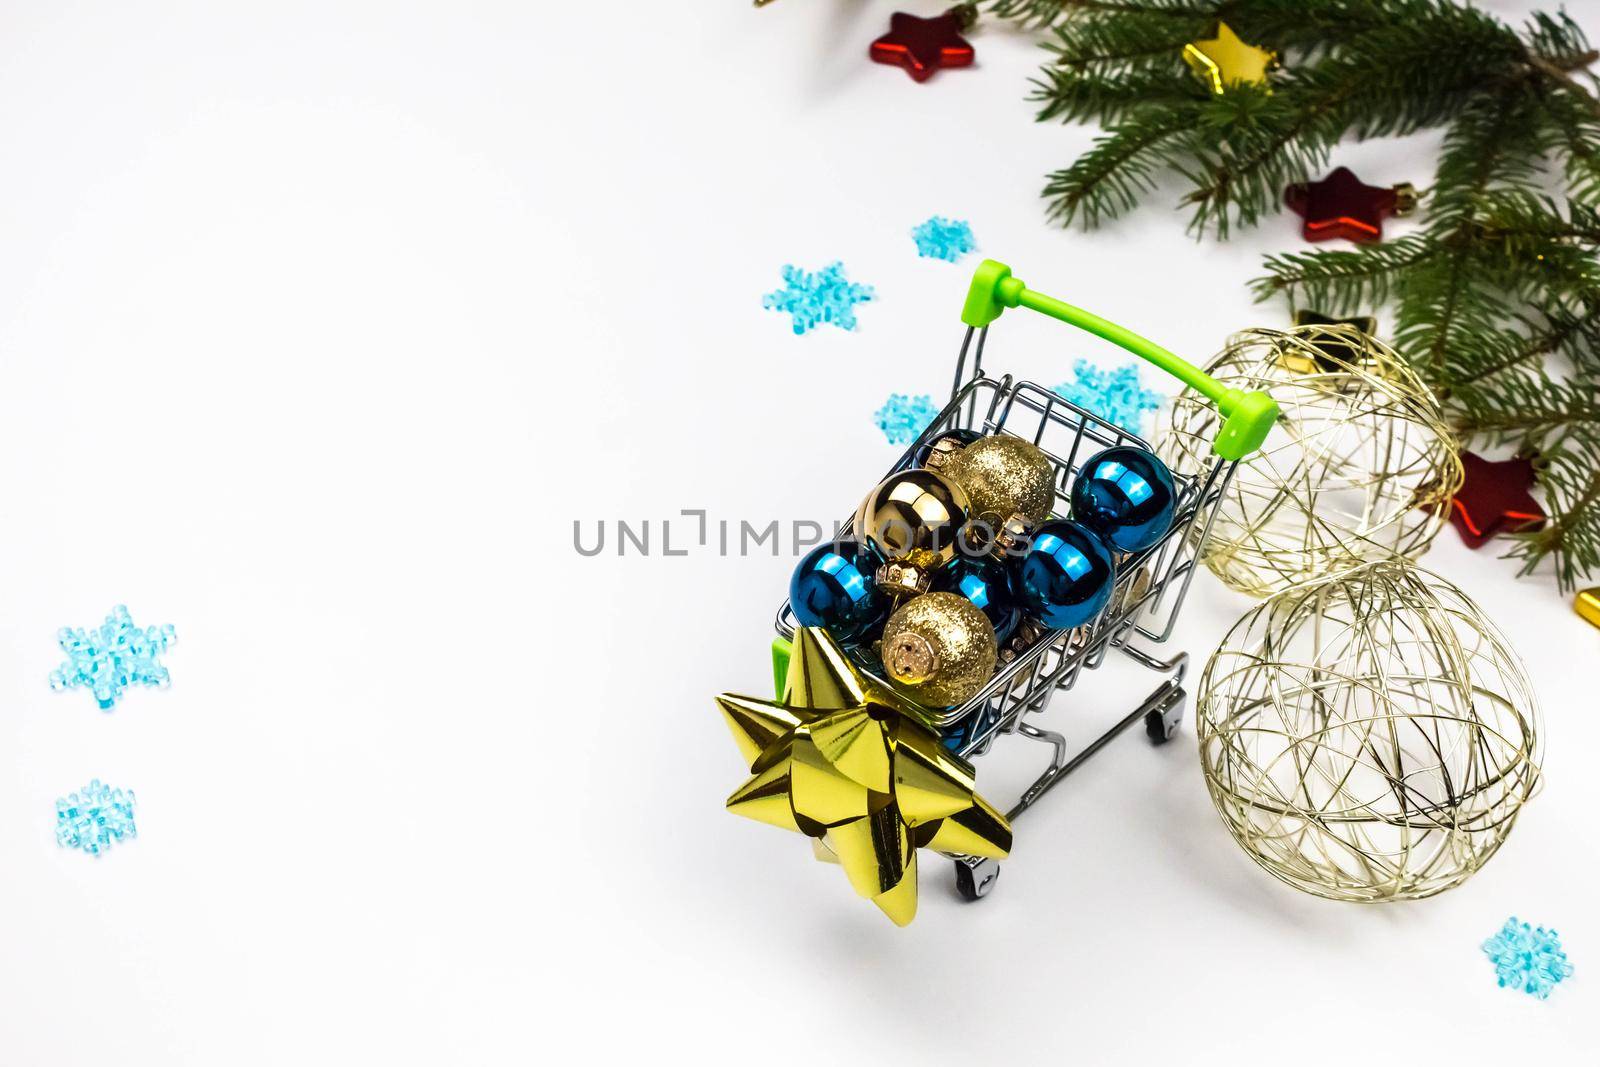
1065,578
835,587
960,732
1125,495
986,582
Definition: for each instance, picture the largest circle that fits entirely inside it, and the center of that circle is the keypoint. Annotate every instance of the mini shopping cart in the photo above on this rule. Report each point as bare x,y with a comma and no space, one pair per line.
1151,585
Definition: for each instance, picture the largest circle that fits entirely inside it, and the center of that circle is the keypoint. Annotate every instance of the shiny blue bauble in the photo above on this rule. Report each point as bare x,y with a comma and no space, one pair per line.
835,587
1126,496
1065,578
957,734
986,582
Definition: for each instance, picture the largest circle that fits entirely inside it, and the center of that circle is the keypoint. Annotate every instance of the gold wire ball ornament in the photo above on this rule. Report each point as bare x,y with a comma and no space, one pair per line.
1369,736
1359,466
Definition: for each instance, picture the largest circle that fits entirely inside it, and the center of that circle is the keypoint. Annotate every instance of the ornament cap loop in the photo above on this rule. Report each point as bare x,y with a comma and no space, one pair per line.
1011,538
899,578
910,658
941,452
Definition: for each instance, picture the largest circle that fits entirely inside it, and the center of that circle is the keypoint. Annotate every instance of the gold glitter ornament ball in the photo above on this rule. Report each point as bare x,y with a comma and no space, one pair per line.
914,517
939,648
1369,736
1005,477
1359,466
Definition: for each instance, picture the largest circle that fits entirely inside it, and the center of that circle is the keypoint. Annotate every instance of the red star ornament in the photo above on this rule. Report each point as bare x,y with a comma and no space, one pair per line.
922,46
1494,499
1342,205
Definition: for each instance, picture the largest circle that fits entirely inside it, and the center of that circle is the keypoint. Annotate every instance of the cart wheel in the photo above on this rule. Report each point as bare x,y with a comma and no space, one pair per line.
975,877
1161,722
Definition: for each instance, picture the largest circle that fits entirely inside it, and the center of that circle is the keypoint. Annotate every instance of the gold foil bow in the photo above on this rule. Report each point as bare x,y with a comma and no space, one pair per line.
842,759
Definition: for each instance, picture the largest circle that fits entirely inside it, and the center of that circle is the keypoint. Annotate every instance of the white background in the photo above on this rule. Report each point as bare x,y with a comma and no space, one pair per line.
321,323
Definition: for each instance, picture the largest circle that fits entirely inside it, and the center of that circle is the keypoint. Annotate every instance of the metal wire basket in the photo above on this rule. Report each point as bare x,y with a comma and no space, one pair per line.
1151,584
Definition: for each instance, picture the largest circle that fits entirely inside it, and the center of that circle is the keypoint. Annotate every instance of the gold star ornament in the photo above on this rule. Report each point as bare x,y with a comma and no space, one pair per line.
1587,605
842,759
1225,60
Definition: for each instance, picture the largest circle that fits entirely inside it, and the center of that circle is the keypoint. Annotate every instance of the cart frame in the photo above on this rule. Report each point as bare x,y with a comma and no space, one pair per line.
1141,608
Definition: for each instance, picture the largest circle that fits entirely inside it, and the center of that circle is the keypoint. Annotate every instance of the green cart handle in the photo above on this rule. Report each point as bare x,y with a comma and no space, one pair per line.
1247,417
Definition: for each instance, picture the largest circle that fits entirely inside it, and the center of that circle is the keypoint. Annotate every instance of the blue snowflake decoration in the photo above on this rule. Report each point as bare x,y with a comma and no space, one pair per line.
109,659
902,418
942,238
94,817
813,298
1114,395
1528,958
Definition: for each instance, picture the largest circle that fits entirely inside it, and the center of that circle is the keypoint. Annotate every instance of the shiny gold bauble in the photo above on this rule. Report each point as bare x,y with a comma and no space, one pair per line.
1004,477
939,648
914,517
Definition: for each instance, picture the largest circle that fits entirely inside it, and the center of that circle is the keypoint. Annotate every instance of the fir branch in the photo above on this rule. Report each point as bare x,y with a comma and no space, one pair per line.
1569,477
1573,137
1574,334
1531,412
1304,23
1555,47
1264,141
1339,281
1317,28
1492,353
1494,142
1567,82
1558,332
1107,180
1131,42
1532,221
1487,144
1071,97
1416,73
1557,40
1448,297
1037,13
